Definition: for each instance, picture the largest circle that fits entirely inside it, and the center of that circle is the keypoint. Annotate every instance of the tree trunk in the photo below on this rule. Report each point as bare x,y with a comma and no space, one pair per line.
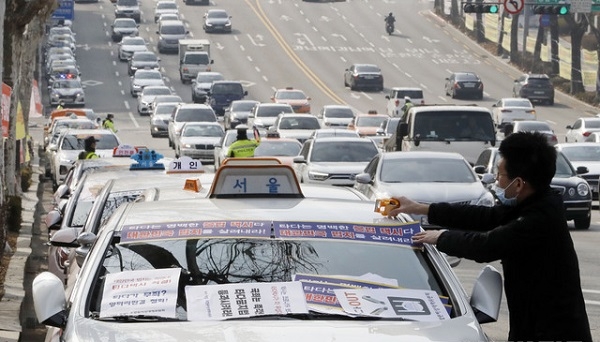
596,34
455,13
514,39
2,163
537,66
499,48
578,28
479,29
554,45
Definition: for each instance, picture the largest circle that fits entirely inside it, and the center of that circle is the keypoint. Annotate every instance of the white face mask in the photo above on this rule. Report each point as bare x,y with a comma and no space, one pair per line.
499,192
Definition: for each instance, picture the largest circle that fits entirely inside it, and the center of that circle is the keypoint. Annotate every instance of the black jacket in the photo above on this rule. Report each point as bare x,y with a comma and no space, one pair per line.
541,271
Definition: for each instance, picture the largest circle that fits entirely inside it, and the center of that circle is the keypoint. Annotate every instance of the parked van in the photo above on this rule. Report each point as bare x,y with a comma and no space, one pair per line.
467,130
222,93
169,32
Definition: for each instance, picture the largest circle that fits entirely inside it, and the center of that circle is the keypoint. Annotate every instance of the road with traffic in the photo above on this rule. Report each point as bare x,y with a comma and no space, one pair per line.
277,43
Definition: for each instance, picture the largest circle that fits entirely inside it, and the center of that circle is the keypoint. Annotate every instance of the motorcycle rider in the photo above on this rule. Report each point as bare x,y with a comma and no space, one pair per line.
390,20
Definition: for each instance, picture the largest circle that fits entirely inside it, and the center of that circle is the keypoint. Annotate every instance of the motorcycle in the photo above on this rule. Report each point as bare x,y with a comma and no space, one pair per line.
389,28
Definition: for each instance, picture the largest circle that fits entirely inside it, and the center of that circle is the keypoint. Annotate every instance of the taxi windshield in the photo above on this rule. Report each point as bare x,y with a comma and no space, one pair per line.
221,261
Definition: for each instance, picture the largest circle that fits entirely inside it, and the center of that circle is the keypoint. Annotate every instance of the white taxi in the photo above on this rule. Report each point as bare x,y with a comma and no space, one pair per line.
219,269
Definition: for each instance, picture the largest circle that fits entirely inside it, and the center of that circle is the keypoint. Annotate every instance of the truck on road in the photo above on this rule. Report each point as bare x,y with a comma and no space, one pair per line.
194,56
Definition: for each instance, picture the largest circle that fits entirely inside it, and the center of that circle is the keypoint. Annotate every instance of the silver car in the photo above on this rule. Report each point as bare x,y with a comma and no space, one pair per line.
264,114
197,140
129,45
249,265
143,78
68,91
147,96
237,113
159,119
164,7
217,20
425,176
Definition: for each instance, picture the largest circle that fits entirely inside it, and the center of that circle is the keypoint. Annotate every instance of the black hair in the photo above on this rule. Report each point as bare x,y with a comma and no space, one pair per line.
241,135
529,156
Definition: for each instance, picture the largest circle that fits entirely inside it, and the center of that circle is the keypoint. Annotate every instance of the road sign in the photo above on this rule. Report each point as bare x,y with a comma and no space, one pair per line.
581,6
65,10
514,6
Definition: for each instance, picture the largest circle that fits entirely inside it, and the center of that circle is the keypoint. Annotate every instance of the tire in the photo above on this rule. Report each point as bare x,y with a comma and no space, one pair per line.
480,96
583,223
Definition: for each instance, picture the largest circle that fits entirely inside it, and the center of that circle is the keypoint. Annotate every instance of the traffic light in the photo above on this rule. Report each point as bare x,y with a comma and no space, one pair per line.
551,9
480,8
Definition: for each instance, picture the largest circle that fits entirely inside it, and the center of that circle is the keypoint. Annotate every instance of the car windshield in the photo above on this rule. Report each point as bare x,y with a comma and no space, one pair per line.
370,121
217,14
518,103
148,75
77,124
454,125
77,142
308,122
156,91
539,81
413,94
166,5
367,68
416,170
242,106
273,111
165,108
343,151
339,113
133,41
208,78
227,88
533,126
145,57
66,84
335,133
202,131
127,2
582,153
195,115
290,95
197,58
592,124
171,98
467,77
269,148
199,263
173,29
125,23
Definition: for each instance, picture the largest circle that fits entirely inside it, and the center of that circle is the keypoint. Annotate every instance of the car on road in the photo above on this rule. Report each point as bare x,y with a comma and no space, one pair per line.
217,20
586,154
128,9
197,2
333,161
176,254
165,99
144,78
142,60
237,113
123,27
424,176
147,95
164,7
363,76
283,149
222,93
188,112
508,110
532,126
296,98
168,16
169,33
129,45
336,115
535,87
197,140
397,98
582,128
295,126
367,124
202,83
159,118
264,114
68,91
63,72
464,84
575,191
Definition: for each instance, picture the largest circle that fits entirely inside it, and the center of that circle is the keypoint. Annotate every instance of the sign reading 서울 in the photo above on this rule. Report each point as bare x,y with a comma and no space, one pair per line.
65,10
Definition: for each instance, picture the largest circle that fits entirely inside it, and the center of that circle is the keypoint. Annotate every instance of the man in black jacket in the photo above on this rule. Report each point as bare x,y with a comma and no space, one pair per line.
528,233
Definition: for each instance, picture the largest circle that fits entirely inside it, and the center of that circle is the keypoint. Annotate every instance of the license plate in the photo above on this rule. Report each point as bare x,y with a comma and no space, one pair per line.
368,77
538,92
469,85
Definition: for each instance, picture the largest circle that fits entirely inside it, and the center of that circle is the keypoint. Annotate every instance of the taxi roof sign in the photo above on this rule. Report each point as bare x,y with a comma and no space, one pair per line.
185,165
124,151
193,185
147,160
258,180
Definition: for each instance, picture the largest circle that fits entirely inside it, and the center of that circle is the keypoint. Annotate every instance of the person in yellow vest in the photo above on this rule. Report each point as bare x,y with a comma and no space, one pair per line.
108,123
243,147
61,105
90,149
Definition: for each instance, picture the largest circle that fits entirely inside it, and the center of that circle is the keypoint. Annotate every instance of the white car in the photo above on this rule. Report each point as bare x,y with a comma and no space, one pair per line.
581,129
336,116
164,7
248,265
296,126
585,154
264,114
143,78
511,109
426,177
188,112
71,143
532,126
129,45
396,99
333,161
197,140
147,95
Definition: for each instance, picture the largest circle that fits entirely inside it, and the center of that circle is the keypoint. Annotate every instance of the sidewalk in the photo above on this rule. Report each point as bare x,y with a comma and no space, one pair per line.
17,319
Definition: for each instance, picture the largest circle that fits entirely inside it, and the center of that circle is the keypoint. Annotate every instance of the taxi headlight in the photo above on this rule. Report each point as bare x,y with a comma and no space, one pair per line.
55,95
188,146
228,23
583,189
319,176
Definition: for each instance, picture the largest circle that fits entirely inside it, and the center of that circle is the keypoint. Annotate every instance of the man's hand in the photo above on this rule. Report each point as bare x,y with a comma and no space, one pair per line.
429,236
409,206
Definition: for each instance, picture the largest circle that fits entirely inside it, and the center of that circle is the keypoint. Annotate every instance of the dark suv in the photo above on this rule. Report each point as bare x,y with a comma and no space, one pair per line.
535,87
222,93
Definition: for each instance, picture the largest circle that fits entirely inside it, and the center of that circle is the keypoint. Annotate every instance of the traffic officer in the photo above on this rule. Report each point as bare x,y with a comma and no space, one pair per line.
108,123
243,147
61,105
90,149
407,104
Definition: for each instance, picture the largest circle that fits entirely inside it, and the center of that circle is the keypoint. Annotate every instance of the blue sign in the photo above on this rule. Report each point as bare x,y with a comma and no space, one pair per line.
65,10
545,20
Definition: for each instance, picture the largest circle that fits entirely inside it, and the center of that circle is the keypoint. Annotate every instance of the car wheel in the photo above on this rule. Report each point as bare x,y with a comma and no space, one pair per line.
480,96
583,223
